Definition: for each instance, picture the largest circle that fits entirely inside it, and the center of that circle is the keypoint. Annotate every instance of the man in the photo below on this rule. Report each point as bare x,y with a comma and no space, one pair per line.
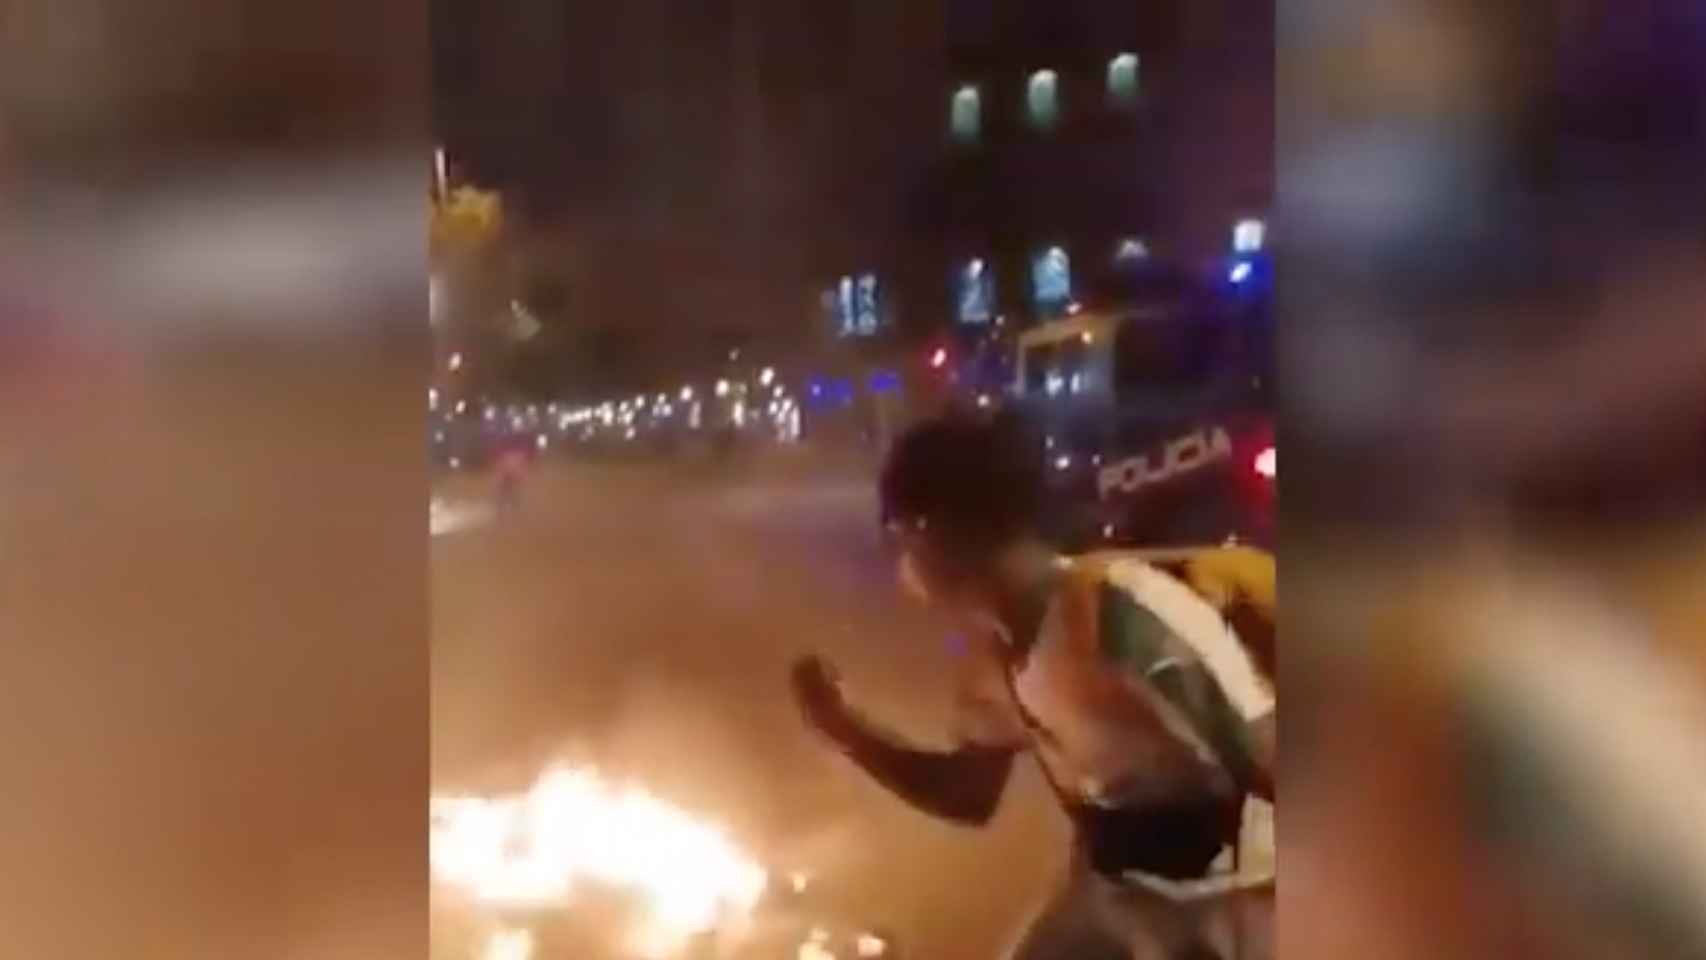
512,464
1145,714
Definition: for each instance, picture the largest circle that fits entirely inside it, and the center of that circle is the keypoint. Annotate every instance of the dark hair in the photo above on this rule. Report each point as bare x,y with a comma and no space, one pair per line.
976,483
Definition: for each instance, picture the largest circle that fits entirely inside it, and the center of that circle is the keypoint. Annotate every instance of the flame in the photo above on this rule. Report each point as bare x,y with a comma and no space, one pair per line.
532,850
509,945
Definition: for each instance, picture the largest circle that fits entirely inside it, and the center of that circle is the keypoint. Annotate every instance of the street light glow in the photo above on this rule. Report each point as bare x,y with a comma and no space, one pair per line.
1248,236
939,359
686,394
766,375
722,388
1265,464
455,363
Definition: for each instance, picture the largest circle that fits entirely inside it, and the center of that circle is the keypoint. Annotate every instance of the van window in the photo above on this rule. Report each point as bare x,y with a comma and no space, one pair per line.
1059,369
1040,361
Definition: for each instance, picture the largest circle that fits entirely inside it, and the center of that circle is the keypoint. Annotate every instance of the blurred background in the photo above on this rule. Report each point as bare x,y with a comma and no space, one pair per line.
212,286
628,300
1495,417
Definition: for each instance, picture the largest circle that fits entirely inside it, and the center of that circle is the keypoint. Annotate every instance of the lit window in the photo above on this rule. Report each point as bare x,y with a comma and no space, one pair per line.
1130,250
867,304
844,307
1122,80
965,115
1042,99
976,292
1051,280
1248,236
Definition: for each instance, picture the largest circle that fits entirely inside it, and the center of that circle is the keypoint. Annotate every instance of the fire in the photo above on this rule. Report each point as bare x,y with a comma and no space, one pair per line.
509,945
533,849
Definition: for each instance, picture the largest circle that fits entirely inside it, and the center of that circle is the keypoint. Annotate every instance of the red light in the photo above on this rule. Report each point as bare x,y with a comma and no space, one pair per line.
1264,463
939,359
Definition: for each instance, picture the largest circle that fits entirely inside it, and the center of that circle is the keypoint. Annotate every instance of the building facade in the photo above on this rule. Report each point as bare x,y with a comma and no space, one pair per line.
1087,154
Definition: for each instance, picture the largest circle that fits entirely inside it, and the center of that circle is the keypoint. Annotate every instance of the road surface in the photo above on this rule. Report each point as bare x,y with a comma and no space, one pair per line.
643,618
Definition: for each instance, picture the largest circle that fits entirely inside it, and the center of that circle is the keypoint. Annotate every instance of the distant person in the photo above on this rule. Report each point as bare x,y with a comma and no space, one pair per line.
512,465
1145,713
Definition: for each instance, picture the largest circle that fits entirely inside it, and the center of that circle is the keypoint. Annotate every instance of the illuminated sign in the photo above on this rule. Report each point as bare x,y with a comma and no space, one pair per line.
1178,457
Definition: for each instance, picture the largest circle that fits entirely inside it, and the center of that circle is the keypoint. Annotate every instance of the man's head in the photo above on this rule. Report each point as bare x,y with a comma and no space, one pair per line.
958,494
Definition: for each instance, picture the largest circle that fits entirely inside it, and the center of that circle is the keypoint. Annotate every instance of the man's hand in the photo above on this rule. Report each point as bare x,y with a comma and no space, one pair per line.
962,785
818,693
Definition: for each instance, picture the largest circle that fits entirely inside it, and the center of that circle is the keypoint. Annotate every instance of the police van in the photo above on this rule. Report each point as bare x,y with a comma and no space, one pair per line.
1157,423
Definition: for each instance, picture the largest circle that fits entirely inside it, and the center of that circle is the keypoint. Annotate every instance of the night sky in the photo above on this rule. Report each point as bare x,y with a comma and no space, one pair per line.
690,170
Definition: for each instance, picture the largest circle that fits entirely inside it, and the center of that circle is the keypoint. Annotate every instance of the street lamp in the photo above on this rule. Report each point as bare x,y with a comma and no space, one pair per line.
1249,236
455,362
766,375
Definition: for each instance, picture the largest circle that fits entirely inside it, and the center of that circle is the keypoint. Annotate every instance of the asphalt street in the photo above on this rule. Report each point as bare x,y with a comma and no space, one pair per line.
642,618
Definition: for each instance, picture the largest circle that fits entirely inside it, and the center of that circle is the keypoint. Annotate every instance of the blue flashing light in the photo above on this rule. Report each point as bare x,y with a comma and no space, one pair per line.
884,381
1240,272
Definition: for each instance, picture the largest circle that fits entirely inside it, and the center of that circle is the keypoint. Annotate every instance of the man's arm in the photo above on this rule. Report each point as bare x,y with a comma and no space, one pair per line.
963,785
